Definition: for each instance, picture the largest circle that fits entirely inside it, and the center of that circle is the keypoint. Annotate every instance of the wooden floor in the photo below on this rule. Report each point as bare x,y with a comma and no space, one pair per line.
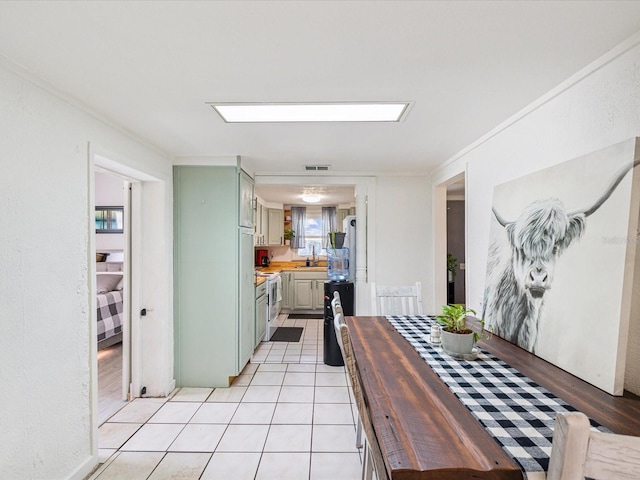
109,382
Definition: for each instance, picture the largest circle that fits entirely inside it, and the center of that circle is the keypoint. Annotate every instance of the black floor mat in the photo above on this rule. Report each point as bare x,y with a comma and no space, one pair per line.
305,316
287,334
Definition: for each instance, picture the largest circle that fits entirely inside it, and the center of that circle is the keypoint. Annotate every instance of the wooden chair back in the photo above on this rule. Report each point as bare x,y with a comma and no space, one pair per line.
402,300
373,454
578,452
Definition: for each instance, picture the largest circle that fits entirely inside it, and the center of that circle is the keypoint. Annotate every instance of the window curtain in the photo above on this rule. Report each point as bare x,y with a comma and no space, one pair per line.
297,225
329,223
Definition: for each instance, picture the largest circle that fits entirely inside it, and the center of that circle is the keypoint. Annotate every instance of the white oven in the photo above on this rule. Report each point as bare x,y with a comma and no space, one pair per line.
274,297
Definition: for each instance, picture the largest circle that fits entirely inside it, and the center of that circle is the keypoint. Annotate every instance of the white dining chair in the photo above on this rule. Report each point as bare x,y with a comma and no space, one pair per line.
336,305
577,451
396,300
338,322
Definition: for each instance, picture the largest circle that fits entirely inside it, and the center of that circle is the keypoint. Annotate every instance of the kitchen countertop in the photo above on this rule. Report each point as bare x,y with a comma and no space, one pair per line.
277,267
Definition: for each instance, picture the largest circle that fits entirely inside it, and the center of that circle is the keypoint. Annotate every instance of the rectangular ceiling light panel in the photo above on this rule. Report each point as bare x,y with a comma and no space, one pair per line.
310,112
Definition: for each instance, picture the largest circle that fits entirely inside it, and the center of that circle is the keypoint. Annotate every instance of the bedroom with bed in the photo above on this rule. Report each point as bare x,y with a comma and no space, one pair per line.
109,284
110,293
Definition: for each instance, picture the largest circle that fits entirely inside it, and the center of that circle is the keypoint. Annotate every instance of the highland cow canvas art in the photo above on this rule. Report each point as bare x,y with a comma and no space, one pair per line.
560,264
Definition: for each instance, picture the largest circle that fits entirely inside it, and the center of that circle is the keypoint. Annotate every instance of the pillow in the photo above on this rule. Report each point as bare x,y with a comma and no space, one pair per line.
106,283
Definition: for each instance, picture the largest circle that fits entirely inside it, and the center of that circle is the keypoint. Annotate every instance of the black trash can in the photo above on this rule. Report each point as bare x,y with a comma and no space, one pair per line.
332,353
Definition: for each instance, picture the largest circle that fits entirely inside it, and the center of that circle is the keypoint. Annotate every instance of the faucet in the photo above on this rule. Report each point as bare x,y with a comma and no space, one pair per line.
314,260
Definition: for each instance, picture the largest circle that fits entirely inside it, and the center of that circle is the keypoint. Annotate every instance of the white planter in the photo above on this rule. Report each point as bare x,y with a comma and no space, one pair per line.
457,343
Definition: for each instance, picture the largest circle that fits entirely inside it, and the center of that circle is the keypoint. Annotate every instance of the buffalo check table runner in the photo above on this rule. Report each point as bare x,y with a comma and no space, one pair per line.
518,413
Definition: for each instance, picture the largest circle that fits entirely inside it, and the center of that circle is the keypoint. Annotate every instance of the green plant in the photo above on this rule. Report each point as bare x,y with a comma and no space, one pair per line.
452,264
289,234
332,238
454,319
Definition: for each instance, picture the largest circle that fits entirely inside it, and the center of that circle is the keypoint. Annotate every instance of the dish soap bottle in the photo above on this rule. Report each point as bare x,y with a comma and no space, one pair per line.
308,264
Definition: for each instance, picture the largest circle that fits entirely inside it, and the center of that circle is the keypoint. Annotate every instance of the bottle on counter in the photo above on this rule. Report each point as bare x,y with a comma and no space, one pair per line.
308,264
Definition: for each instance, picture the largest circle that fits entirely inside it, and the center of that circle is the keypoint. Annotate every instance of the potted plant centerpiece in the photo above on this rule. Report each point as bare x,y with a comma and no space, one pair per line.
457,337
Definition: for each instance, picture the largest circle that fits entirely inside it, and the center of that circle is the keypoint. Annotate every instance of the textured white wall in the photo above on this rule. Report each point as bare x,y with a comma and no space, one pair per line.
598,109
403,243
44,233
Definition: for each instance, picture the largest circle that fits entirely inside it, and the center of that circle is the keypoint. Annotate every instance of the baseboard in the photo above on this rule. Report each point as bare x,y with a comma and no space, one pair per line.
85,469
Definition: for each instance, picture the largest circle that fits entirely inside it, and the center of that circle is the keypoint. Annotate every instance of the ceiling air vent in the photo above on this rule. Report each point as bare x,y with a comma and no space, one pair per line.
316,168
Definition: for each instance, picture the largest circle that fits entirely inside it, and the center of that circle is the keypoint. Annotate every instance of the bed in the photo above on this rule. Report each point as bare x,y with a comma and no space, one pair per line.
110,306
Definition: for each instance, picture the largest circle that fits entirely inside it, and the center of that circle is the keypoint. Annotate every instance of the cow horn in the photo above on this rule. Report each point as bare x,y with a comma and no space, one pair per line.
499,217
610,189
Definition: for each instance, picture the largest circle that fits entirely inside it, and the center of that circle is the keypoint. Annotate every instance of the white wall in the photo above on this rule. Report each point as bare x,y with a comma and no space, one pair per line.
403,242
45,346
109,193
598,107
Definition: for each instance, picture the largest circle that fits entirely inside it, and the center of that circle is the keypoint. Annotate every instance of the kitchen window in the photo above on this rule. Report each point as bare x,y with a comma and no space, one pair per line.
313,232
319,221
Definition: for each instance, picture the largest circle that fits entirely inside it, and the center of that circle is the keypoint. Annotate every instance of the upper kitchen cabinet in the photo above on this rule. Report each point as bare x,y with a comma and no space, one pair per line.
276,227
246,200
262,224
214,295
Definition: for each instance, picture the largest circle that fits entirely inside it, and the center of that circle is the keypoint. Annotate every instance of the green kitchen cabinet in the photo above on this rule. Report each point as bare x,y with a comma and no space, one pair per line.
276,227
214,294
308,290
261,224
261,312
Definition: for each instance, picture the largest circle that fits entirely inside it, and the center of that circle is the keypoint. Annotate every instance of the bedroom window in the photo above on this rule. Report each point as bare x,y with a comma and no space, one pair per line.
109,219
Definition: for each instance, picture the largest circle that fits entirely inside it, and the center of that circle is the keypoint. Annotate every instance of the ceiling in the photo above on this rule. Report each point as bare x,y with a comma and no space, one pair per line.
151,67
292,194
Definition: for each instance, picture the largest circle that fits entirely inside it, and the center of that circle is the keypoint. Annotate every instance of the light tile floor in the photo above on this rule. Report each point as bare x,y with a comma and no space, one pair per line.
287,416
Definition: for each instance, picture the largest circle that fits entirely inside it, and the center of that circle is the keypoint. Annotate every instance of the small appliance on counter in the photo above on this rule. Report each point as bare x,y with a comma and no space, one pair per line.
262,258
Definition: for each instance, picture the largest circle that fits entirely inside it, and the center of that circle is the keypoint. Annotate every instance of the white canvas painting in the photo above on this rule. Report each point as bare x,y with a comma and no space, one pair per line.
560,266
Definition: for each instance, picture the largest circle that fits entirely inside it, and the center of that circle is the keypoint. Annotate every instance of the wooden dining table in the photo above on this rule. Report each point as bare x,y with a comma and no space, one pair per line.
423,429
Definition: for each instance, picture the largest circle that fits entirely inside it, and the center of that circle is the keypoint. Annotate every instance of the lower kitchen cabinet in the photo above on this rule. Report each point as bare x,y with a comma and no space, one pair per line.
261,312
308,290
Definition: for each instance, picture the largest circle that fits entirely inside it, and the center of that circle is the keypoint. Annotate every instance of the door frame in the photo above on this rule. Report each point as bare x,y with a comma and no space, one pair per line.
365,193
440,281
100,159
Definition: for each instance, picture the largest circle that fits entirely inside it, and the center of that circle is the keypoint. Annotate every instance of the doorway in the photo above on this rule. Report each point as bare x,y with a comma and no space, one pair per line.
456,242
362,197
112,195
445,190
